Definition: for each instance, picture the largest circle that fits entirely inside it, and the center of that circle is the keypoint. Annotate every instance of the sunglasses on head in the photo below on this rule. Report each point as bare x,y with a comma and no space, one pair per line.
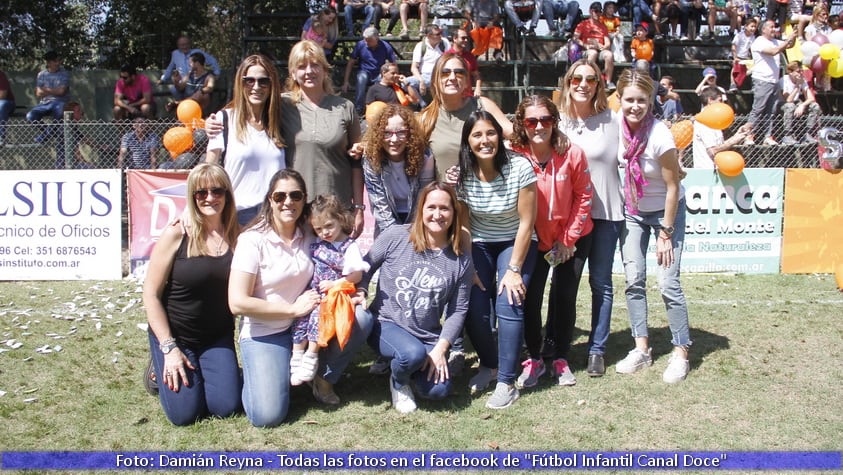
546,121
281,196
459,72
577,79
202,193
249,82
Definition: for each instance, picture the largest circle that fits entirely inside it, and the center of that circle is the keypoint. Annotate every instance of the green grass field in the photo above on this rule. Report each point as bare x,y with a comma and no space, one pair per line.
765,375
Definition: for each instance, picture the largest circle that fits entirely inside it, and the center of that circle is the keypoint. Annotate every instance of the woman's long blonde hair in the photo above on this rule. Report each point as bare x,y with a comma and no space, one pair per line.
428,116
302,52
599,102
209,175
271,113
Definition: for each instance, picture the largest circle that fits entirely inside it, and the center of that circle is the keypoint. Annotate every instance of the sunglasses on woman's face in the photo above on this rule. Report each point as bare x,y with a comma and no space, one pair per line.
458,72
281,196
546,121
249,82
202,193
577,79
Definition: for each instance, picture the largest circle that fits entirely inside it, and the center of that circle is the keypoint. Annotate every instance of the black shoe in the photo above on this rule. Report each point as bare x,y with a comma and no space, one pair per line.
596,366
150,383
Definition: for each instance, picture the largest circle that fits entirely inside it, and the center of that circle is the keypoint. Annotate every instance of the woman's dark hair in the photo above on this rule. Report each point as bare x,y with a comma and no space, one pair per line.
467,159
264,218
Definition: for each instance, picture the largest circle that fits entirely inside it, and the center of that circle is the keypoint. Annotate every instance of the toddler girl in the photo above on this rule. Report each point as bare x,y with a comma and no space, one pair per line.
336,258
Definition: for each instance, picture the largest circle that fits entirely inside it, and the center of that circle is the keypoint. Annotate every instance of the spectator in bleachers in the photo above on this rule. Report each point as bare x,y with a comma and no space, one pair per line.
461,46
709,142
425,54
671,106
370,53
819,26
133,94
675,12
741,53
52,88
327,18
766,70
179,61
709,79
724,6
138,147
389,89
569,10
697,15
386,8
801,15
358,8
642,48
198,85
613,24
514,10
799,101
7,105
485,17
641,12
777,12
593,37
419,7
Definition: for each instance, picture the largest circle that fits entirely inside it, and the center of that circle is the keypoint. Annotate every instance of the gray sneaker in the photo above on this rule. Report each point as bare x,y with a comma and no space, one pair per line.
482,379
562,373
677,369
503,397
634,361
529,377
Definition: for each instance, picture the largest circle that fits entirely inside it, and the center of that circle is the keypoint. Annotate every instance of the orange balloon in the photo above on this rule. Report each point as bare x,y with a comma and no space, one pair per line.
178,140
683,133
373,111
718,116
188,110
614,102
729,163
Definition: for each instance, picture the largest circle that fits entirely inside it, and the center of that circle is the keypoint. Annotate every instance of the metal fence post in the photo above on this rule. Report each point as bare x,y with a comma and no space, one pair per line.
67,136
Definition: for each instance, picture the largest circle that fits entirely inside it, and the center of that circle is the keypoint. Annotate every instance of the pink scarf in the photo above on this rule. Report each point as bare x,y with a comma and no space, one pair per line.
634,181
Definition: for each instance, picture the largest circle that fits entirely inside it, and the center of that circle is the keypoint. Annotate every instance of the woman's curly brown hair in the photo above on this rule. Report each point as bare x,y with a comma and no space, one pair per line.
374,140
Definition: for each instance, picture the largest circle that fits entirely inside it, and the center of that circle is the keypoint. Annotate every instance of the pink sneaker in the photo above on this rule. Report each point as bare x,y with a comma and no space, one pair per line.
533,369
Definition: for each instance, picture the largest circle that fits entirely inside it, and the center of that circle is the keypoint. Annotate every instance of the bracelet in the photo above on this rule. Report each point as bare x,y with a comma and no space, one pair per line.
358,207
167,341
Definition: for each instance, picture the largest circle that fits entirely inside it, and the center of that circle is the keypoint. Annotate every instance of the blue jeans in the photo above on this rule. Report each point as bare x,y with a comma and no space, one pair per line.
552,9
6,109
634,242
247,214
765,96
490,262
407,354
266,369
562,301
364,80
214,384
513,16
601,257
367,10
54,108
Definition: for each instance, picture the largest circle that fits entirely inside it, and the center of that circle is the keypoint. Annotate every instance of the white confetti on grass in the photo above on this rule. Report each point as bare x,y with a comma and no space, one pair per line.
2,393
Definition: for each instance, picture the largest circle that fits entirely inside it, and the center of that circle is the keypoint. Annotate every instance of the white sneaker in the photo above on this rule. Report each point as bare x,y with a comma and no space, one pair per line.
677,369
634,361
402,398
482,379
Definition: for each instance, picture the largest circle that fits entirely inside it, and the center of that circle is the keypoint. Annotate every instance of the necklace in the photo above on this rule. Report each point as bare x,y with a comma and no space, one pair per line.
218,251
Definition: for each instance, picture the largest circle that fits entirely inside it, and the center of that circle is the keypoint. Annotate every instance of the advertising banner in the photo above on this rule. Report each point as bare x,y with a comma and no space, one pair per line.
731,224
813,222
60,224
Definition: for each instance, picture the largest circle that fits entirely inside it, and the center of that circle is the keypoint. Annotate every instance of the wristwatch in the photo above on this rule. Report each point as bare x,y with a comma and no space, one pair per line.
167,346
513,268
668,230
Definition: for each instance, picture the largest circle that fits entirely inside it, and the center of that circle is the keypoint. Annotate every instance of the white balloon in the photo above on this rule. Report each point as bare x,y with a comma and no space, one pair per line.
810,49
836,38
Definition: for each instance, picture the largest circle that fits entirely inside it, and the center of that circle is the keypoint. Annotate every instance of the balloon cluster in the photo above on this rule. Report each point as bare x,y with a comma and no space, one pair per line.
718,116
179,139
822,54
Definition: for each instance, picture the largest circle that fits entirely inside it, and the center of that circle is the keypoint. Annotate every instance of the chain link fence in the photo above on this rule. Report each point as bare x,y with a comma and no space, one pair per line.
96,144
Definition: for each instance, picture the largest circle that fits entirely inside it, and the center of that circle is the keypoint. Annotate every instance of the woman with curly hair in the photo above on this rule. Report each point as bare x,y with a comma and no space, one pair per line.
563,227
396,165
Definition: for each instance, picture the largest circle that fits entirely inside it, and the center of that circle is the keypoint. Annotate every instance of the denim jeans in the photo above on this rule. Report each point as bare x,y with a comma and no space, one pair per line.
266,369
515,18
490,261
601,258
562,301
247,214
552,9
367,11
364,80
634,242
54,109
214,385
407,354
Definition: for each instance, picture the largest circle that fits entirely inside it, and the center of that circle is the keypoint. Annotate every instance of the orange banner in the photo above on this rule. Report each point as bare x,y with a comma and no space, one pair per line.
813,221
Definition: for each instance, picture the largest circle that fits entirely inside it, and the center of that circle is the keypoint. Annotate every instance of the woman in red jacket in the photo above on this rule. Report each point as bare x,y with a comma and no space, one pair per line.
563,224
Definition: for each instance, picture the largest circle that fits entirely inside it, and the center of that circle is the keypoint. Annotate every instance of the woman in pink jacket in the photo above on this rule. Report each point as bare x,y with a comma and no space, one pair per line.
563,224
